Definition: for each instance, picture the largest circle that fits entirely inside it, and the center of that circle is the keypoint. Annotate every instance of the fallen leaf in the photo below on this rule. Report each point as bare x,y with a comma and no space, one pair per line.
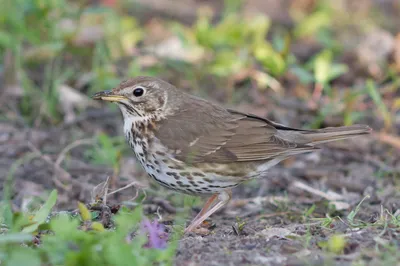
276,231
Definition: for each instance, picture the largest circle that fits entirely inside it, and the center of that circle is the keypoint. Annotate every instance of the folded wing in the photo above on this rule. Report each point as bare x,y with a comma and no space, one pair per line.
223,136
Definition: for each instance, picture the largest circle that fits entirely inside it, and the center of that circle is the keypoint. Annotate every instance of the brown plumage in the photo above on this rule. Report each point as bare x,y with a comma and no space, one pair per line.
197,147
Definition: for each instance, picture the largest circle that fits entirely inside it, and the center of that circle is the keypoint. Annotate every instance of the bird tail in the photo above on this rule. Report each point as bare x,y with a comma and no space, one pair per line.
335,133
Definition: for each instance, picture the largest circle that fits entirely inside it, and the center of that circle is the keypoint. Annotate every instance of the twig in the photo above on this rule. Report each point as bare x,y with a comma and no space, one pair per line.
257,200
132,184
100,191
69,147
159,214
269,215
332,196
316,95
164,204
58,170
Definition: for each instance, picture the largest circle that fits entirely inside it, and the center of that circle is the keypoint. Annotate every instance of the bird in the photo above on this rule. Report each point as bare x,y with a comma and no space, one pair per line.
197,147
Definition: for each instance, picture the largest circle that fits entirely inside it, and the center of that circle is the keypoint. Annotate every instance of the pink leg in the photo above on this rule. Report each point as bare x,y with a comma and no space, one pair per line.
223,198
206,206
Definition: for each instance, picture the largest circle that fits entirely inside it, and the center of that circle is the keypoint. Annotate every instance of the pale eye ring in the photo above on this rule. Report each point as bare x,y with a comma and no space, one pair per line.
139,91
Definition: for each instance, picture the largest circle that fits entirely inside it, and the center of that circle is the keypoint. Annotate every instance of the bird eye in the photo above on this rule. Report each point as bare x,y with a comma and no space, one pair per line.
138,91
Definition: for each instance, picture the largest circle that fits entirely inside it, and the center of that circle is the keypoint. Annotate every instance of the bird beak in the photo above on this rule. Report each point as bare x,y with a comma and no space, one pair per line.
108,96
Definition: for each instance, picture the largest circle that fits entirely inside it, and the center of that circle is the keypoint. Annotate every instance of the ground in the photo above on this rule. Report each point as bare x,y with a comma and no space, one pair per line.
284,218
336,206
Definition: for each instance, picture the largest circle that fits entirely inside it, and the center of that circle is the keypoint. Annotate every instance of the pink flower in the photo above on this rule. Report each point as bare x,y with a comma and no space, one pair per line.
155,232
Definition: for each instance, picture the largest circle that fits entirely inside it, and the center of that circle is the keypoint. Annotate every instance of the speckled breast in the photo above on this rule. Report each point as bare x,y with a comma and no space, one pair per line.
174,174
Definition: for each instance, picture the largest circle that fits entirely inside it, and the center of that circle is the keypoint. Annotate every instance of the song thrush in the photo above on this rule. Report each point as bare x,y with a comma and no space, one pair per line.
197,147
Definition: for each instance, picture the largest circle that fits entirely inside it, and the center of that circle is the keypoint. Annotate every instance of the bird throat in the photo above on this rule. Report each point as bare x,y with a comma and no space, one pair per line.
139,132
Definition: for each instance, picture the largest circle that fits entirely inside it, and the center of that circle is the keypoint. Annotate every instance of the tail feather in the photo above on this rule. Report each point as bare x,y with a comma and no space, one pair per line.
335,133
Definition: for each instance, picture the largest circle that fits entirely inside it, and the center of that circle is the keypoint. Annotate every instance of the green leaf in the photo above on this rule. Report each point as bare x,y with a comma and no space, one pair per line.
107,150
310,211
24,256
127,220
120,254
325,70
312,24
322,66
232,6
42,214
275,64
203,31
5,39
63,226
6,214
96,226
20,220
259,27
15,238
336,244
226,63
376,97
85,213
304,76
337,70
270,59
353,213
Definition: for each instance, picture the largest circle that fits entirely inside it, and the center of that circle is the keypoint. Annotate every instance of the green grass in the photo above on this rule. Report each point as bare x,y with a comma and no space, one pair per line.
106,150
44,237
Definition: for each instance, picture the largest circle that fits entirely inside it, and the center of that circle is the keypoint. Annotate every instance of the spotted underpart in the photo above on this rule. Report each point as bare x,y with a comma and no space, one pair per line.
161,165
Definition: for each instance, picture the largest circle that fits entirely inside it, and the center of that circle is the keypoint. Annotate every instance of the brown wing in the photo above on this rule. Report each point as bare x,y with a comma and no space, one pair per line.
222,135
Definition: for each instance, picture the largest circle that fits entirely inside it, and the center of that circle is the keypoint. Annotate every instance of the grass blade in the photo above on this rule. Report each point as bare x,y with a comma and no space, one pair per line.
42,214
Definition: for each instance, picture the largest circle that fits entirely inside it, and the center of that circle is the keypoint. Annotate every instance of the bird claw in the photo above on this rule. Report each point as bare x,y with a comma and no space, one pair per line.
200,231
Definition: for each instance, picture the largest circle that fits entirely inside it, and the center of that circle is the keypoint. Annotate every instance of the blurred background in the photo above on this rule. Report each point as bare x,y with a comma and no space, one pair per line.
304,63
339,59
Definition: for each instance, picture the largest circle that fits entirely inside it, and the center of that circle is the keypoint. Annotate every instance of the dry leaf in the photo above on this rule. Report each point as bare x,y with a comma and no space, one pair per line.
278,232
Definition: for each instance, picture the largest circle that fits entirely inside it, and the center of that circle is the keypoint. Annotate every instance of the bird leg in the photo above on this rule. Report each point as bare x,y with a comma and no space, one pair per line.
223,198
206,206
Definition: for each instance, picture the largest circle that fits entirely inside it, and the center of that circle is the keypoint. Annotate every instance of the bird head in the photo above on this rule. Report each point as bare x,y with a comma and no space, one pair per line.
139,97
